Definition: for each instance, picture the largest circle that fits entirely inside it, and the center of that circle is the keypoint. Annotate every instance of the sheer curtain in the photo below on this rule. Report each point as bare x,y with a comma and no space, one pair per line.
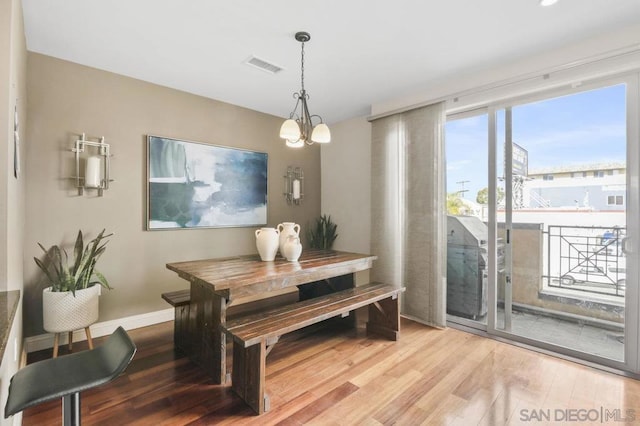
408,209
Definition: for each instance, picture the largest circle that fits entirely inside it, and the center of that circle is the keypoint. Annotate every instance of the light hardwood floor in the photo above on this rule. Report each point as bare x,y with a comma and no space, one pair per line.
332,376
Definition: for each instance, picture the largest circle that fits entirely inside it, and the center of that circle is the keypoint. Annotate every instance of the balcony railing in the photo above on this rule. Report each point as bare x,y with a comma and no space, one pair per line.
586,259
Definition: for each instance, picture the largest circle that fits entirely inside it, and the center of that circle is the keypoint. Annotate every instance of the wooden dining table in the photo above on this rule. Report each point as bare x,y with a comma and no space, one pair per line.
216,284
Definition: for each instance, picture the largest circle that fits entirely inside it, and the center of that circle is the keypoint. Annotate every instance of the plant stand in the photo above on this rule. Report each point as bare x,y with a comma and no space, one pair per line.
56,341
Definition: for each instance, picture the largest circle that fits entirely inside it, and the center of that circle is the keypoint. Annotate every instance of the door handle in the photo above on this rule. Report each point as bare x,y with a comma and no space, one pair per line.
623,245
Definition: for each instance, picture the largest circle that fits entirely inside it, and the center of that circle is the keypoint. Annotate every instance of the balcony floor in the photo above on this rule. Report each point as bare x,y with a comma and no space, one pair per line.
570,334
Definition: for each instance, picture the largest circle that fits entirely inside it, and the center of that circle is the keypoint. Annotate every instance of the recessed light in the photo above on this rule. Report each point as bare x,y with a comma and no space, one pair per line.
548,2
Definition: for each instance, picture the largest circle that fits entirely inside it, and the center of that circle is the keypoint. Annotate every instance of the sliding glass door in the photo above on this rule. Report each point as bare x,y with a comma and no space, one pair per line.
467,213
550,239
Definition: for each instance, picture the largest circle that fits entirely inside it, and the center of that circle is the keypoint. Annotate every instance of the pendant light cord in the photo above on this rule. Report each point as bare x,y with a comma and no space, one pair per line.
302,67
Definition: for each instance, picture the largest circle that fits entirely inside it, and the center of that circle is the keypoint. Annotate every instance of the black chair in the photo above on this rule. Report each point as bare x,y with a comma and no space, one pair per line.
65,377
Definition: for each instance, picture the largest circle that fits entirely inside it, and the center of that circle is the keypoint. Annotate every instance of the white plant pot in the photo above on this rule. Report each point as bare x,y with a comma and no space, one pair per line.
62,311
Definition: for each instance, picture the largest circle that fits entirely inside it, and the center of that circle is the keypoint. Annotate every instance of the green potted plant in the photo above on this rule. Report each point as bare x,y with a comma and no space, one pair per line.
71,301
323,234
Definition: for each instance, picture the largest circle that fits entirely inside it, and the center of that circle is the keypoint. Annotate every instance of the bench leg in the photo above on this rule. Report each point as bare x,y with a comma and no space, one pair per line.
180,330
177,327
248,375
384,318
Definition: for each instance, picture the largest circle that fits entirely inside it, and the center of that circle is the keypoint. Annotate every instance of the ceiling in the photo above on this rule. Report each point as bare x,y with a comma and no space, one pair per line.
361,51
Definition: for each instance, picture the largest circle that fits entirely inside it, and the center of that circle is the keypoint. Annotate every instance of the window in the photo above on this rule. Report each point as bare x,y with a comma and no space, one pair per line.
547,177
615,200
598,173
467,165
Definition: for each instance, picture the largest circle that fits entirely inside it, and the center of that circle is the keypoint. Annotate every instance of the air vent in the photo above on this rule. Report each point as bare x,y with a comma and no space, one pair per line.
263,65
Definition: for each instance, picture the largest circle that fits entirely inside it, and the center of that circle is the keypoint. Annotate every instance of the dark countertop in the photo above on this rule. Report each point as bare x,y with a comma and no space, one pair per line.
8,306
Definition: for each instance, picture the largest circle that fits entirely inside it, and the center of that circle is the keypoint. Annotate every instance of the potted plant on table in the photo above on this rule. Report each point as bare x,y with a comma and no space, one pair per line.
323,234
71,301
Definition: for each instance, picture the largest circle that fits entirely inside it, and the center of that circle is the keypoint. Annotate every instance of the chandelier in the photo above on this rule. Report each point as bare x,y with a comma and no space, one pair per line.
299,128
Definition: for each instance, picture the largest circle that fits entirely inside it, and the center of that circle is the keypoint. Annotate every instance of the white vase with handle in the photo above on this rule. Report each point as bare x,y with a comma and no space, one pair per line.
287,229
267,241
292,249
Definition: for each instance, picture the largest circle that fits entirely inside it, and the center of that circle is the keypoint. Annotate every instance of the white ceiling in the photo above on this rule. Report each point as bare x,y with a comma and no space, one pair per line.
361,51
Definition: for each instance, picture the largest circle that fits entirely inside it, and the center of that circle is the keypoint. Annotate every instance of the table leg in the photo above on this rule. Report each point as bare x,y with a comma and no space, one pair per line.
207,312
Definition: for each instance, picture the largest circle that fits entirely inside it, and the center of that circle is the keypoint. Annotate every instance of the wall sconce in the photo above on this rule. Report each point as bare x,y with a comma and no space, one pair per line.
294,185
97,164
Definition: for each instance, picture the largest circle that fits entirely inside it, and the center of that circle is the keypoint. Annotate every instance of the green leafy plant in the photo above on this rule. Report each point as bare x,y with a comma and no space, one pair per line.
323,234
82,272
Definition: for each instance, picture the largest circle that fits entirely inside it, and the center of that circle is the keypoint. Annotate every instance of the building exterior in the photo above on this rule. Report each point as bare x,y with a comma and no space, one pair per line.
599,187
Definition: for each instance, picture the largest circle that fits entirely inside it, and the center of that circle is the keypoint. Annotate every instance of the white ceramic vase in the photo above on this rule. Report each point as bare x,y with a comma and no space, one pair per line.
292,249
62,311
267,241
286,230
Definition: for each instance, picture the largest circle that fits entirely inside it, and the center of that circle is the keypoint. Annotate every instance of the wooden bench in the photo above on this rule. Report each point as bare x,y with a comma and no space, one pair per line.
180,301
255,335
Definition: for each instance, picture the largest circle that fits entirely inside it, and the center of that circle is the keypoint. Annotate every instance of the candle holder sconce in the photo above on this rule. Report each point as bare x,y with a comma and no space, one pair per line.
294,185
97,164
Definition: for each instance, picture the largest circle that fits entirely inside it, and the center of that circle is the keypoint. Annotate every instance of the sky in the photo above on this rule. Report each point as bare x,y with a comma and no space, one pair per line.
583,128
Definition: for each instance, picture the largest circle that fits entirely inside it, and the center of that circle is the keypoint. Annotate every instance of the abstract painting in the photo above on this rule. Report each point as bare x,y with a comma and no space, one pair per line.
196,185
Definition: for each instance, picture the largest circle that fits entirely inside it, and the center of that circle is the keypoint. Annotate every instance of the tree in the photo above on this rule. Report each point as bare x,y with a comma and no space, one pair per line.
454,204
483,195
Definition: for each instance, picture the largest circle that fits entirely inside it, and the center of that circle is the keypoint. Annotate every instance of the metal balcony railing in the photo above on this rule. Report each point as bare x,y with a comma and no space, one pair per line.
586,259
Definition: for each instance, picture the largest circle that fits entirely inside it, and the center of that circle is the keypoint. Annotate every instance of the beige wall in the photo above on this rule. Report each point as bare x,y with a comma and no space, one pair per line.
16,187
5,104
66,99
346,183
13,59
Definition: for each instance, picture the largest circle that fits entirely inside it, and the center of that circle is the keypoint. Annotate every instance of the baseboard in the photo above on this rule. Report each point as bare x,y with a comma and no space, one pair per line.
99,329
418,320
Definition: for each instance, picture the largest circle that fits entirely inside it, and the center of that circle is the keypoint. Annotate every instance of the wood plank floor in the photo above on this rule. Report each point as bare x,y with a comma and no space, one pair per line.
334,376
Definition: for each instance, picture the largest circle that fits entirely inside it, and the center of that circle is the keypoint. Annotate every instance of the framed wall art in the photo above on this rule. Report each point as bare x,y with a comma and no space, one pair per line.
196,185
